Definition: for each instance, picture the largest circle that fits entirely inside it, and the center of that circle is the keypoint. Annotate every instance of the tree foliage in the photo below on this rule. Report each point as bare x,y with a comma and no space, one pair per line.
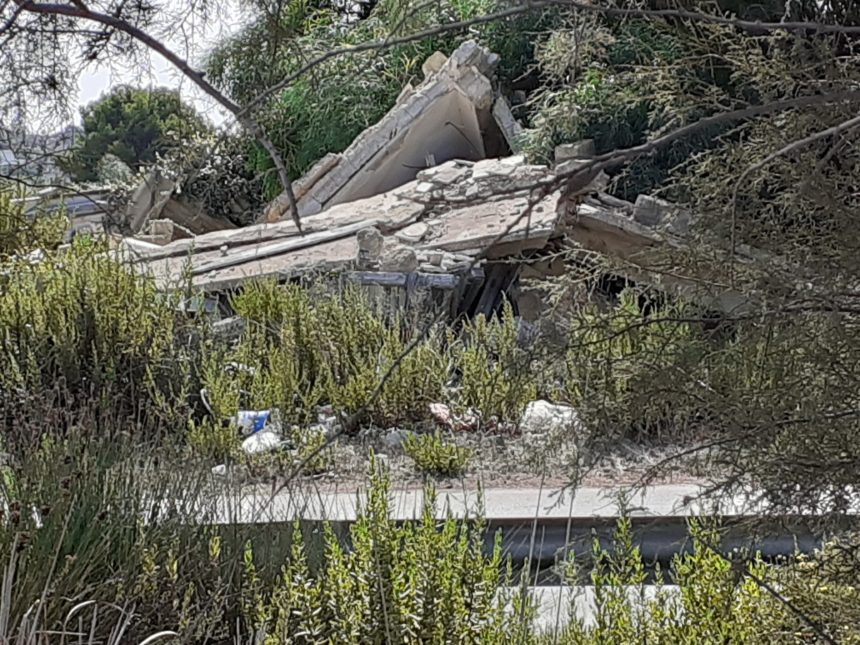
134,125
325,109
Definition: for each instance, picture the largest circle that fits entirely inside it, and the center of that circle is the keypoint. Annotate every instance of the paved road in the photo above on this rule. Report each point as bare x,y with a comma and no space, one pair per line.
254,505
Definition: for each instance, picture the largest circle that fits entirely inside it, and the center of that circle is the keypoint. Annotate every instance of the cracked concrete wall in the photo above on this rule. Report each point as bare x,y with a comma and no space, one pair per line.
447,129
437,121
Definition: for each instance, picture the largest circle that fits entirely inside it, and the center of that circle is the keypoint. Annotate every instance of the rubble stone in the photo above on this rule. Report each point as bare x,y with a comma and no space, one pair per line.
228,328
655,212
399,259
413,233
444,174
433,64
579,150
435,257
370,242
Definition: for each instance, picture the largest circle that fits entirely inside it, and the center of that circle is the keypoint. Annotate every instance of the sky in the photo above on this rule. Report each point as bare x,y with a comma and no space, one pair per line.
189,41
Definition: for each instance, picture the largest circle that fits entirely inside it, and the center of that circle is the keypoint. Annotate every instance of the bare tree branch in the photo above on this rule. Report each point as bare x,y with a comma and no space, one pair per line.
836,130
698,16
532,5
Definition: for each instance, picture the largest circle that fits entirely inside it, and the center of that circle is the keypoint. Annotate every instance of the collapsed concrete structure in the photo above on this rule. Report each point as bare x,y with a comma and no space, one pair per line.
431,196
453,114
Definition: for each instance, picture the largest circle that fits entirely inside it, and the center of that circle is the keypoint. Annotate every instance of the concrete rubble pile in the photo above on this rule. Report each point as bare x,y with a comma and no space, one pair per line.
431,196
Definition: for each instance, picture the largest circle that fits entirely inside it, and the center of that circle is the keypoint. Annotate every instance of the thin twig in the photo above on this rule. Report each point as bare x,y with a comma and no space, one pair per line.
785,150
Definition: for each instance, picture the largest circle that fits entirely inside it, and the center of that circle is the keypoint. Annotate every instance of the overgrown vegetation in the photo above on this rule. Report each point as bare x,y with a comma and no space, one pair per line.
134,126
435,455
20,233
118,567
100,377
614,356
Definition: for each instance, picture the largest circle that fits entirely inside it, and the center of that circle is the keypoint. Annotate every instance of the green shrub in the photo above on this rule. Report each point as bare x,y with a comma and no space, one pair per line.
620,366
21,233
599,106
113,539
314,454
621,82
497,376
213,440
399,583
713,603
311,347
82,326
434,455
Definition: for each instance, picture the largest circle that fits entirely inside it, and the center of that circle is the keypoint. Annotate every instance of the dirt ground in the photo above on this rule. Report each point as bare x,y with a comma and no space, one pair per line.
506,461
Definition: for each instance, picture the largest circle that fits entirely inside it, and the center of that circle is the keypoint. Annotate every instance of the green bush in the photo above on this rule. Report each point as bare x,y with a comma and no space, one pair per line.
433,455
20,233
713,602
621,82
82,326
113,540
399,583
102,527
312,347
621,366
497,376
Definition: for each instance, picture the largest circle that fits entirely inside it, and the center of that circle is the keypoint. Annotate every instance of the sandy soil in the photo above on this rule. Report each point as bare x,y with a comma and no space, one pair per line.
506,461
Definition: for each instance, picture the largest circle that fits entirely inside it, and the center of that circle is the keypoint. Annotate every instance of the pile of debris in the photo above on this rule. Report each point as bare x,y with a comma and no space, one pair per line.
431,232
429,197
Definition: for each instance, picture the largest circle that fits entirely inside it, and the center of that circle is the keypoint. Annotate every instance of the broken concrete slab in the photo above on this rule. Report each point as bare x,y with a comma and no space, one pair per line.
413,233
433,64
659,213
399,259
155,198
428,220
578,150
440,120
509,126
370,242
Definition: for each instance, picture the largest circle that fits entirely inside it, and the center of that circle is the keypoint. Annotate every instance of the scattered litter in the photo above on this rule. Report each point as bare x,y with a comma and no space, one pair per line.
251,421
469,420
233,367
442,414
543,416
328,421
263,441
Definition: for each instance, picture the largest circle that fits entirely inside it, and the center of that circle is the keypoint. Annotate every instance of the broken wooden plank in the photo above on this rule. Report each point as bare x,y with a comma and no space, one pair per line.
279,248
